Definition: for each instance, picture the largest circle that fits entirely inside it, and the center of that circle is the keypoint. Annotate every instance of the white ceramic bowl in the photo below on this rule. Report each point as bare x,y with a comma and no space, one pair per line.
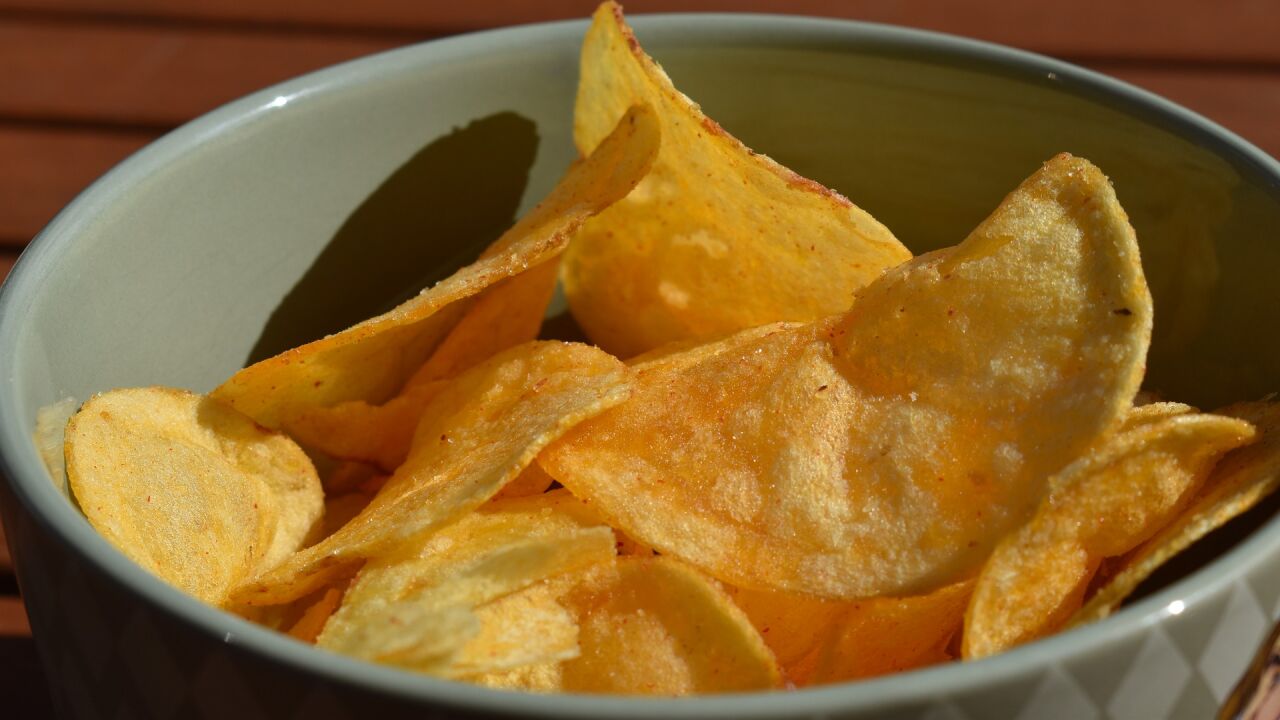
345,188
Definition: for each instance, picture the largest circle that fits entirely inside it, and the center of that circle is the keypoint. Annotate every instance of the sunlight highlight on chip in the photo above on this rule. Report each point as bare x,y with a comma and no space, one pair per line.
467,599
717,237
371,362
1104,504
886,451
188,488
1238,482
477,435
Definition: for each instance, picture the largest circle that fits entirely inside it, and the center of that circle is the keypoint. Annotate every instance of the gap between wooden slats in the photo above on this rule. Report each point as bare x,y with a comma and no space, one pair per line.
44,168
1236,29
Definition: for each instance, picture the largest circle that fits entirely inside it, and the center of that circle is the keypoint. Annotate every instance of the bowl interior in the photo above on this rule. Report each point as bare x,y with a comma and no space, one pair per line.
303,208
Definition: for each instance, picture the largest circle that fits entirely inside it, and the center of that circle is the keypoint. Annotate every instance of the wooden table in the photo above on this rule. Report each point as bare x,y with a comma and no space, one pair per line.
83,83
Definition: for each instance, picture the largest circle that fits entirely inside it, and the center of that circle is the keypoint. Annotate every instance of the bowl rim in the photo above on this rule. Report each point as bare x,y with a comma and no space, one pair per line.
42,504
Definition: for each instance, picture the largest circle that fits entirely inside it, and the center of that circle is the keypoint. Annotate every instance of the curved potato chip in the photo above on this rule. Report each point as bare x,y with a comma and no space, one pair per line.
717,238
886,451
821,641
313,619
533,480
502,316
190,489
1104,504
470,598
477,435
1238,482
371,361
653,626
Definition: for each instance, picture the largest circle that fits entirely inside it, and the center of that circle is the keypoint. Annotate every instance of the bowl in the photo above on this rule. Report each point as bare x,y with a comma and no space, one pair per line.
303,207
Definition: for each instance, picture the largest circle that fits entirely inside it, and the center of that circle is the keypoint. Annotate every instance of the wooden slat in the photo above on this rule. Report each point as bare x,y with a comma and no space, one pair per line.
13,618
45,168
148,75
1244,30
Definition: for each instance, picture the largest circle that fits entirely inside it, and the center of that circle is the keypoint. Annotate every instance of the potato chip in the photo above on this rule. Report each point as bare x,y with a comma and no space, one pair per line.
502,316
886,451
49,437
370,362
1104,504
717,238
313,619
527,627
533,480
476,435
653,626
821,641
1239,481
188,488
452,603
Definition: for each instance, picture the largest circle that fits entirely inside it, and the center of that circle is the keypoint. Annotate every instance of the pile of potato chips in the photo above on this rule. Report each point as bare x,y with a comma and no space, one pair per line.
818,458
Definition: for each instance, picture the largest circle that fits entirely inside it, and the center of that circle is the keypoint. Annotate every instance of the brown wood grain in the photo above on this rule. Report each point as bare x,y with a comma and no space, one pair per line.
1242,30
148,75
13,618
44,169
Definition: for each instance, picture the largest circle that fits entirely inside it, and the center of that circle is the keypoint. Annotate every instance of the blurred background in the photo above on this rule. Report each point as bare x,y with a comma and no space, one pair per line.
84,83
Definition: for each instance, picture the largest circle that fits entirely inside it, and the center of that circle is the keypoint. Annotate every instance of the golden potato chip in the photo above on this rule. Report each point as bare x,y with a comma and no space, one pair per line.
535,677
1239,481
1104,504
653,626
476,435
508,314
533,480
1141,414
886,451
502,316
443,603
717,238
527,627
371,361
312,621
188,488
821,641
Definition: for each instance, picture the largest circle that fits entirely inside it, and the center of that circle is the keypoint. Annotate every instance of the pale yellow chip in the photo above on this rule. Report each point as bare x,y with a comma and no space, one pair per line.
654,626
188,488
1239,481
476,435
1104,504
717,238
886,451
370,362
502,316
821,641
468,598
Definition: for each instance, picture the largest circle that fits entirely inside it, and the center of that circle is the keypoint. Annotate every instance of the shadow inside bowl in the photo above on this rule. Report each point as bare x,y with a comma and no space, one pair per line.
436,212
